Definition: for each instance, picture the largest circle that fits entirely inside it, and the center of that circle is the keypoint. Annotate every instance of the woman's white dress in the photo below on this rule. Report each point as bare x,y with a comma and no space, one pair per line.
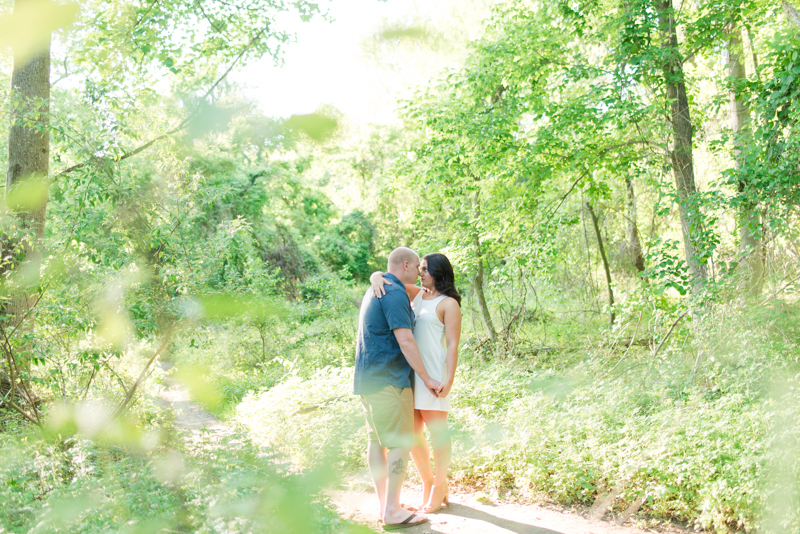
429,335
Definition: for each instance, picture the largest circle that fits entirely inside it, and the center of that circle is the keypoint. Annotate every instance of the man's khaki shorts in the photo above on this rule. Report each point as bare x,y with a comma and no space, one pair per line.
390,416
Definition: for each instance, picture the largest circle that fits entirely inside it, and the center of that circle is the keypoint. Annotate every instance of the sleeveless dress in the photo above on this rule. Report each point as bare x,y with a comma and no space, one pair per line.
429,335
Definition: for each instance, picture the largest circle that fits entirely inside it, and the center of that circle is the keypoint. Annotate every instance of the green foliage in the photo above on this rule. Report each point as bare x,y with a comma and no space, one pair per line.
769,173
320,288
567,439
242,353
348,247
81,486
665,268
179,40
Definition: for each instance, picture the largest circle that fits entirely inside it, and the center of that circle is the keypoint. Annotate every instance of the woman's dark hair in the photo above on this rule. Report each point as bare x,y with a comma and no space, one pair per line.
442,272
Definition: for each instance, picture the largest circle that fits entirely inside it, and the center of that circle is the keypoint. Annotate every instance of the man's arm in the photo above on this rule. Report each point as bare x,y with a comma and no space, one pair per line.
410,350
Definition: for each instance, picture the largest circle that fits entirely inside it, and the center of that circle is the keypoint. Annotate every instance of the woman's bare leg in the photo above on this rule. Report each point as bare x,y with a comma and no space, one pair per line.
436,422
422,456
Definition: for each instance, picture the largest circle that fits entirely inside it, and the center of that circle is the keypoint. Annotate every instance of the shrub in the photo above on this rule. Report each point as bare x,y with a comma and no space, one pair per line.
321,287
348,247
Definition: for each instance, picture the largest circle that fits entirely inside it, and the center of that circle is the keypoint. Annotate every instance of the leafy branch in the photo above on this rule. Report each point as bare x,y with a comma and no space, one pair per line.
98,161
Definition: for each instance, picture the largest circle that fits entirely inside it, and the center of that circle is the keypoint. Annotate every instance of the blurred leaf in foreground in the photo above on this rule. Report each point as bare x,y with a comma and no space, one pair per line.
557,387
28,194
402,32
170,467
782,474
315,125
198,380
115,326
28,29
64,511
229,306
92,420
209,118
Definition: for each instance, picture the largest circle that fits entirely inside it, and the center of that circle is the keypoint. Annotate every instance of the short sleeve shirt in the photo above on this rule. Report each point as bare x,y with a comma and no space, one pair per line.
379,360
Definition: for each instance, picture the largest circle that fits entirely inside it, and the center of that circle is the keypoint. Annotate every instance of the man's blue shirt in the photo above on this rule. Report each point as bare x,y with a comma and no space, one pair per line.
379,360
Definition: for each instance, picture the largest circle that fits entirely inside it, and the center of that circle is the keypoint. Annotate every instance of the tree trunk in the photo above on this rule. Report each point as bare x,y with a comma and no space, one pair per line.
791,13
602,248
478,280
634,242
750,247
681,156
28,163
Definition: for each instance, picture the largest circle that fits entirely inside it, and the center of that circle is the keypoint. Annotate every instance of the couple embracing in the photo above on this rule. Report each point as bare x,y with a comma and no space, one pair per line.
406,356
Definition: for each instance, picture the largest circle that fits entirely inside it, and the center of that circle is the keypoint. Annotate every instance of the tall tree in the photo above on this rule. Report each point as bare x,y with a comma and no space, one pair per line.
750,249
28,163
681,155
477,280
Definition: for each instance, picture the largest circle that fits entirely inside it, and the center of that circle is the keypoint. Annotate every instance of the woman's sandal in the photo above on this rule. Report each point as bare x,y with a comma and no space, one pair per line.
438,498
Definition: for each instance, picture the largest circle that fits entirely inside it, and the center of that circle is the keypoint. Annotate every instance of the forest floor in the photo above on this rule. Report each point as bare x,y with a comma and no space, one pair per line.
467,513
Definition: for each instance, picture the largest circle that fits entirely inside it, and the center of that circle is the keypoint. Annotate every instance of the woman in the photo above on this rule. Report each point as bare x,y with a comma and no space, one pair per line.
437,331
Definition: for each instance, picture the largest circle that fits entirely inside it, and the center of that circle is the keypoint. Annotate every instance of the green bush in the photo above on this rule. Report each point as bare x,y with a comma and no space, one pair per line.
239,355
349,246
320,287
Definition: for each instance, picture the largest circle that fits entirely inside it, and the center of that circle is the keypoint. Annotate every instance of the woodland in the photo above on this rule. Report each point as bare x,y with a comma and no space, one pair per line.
616,183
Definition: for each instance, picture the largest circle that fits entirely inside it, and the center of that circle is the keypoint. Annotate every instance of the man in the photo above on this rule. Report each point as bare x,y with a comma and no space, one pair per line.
385,355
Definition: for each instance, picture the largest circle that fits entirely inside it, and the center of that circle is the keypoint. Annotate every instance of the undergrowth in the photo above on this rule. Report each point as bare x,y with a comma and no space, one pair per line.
242,356
78,485
696,431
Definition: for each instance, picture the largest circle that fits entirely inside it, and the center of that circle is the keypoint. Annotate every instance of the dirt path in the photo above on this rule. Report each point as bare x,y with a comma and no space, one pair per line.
464,515
467,515
191,417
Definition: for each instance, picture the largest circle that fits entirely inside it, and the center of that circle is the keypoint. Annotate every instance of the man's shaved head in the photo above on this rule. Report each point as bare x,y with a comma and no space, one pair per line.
399,256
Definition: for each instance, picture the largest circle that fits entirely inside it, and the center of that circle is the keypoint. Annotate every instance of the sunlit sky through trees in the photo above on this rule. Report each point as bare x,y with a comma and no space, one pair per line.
328,63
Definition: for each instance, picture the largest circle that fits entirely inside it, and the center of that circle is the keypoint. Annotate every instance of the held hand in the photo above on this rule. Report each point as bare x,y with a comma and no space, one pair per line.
433,386
444,389
378,281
